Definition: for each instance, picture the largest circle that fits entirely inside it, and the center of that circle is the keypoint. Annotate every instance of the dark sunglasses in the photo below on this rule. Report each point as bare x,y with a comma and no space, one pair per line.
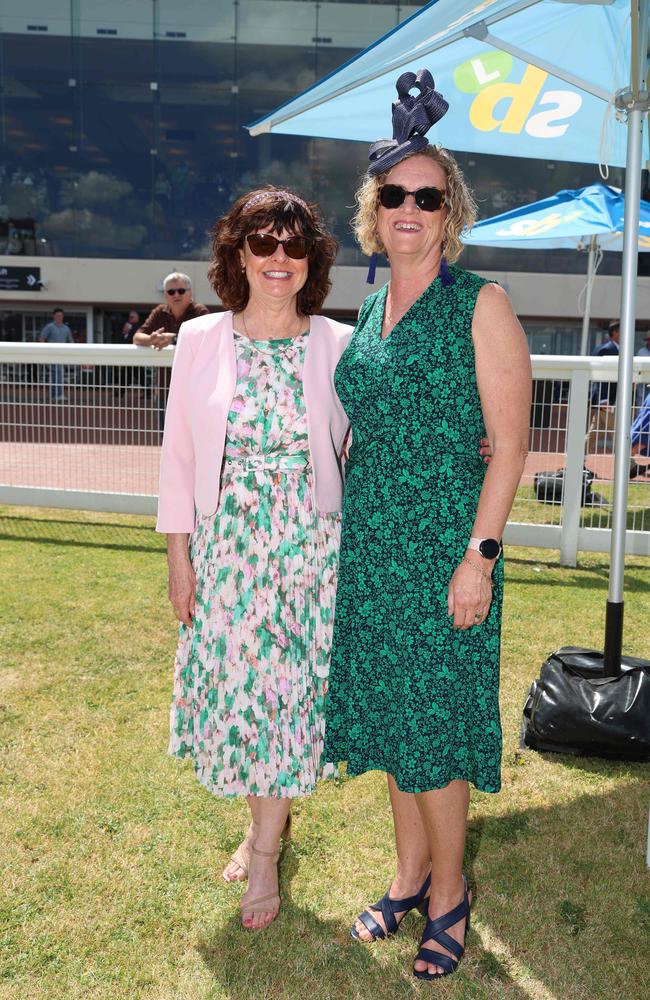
429,199
176,291
264,244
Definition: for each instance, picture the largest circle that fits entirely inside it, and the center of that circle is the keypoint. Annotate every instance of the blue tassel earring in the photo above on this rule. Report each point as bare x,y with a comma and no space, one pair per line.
372,269
446,277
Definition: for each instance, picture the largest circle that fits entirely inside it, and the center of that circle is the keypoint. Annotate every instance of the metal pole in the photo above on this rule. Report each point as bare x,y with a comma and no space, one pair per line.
631,101
591,269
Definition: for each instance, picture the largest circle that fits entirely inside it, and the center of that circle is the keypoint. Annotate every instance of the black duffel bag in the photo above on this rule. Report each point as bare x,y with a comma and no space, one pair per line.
573,708
549,487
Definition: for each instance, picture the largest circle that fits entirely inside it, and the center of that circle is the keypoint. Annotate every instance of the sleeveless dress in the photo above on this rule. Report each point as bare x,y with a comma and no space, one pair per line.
250,675
409,694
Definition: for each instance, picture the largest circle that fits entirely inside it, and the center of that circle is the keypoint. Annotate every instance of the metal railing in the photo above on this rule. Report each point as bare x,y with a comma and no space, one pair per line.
81,427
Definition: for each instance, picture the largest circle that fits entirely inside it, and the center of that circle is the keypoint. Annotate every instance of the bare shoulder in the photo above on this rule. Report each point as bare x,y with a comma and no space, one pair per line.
493,303
494,318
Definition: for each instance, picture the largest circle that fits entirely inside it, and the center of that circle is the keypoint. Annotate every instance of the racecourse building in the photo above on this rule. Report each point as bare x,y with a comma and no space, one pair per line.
123,139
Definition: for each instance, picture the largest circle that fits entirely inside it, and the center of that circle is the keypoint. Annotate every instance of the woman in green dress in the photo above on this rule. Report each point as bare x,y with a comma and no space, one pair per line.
437,359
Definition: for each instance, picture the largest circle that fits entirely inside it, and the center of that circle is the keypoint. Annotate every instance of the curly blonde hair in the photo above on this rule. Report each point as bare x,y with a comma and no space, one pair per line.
458,198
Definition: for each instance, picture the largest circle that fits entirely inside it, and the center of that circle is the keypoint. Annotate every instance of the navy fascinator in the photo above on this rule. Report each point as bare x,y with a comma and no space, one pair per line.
413,116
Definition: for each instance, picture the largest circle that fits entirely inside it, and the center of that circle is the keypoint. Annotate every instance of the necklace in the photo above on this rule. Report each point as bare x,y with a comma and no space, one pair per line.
255,340
388,318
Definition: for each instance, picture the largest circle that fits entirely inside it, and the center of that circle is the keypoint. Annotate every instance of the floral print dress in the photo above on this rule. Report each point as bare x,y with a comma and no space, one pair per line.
250,674
410,694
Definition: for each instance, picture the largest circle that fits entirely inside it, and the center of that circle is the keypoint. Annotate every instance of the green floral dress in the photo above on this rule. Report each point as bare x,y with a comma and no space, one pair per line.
409,694
250,675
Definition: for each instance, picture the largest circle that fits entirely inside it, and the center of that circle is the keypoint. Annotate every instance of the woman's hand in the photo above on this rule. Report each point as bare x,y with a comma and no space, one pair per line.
485,451
182,578
470,593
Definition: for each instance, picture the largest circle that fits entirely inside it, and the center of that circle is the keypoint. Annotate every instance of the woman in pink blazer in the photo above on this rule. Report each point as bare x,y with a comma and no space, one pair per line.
251,485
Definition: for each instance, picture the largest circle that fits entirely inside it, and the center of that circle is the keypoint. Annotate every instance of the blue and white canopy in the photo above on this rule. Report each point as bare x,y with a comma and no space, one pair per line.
568,219
532,78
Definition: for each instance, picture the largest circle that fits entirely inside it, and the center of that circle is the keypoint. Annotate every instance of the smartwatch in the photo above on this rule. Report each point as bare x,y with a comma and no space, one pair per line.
489,548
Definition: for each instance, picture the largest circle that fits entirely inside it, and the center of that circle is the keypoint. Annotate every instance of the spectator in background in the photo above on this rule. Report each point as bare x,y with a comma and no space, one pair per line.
129,374
640,437
603,403
130,327
160,329
603,396
642,389
56,332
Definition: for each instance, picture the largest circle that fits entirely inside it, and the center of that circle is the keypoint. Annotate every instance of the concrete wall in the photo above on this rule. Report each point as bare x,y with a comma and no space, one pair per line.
81,282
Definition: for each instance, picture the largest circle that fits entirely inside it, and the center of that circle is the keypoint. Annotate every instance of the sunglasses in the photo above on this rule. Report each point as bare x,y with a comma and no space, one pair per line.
264,244
176,291
429,199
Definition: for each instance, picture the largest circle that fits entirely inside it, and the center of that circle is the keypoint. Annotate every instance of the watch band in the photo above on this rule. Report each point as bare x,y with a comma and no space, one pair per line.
480,545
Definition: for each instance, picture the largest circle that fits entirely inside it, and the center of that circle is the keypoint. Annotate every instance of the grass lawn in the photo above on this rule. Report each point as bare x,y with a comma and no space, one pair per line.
112,852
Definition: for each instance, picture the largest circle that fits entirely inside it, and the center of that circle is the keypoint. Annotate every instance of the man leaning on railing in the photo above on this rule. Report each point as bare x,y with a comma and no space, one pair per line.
160,329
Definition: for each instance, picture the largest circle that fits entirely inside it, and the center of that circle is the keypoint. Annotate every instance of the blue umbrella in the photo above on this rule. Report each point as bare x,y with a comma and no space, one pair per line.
566,220
549,79
530,78
589,218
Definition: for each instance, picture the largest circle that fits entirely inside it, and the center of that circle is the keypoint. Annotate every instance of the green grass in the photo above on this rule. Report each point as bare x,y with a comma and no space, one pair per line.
112,852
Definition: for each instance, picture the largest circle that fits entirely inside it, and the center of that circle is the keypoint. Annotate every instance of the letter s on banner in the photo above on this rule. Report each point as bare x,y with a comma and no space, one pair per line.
566,102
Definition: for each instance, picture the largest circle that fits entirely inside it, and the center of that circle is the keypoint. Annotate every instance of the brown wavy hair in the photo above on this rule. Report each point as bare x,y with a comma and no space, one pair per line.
460,204
282,209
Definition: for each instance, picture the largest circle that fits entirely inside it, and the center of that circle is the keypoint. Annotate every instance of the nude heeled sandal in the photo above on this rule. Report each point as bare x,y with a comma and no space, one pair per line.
253,905
241,856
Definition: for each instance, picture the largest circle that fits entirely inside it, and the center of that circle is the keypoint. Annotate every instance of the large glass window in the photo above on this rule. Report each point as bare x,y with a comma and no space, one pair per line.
122,125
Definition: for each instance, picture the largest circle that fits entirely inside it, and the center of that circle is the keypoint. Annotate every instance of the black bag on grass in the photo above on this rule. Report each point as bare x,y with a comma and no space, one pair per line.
549,487
573,708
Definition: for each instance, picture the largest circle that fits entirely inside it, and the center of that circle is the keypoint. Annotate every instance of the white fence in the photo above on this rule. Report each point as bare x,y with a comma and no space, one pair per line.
81,427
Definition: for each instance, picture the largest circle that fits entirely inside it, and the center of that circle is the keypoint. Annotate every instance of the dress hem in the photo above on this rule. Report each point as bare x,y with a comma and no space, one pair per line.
481,786
283,793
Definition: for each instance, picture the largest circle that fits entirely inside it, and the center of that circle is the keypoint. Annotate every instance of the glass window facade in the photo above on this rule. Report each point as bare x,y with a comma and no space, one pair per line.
122,126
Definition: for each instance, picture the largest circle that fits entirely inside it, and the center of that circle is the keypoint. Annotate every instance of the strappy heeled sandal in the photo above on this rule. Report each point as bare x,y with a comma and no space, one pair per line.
388,908
241,856
253,905
436,930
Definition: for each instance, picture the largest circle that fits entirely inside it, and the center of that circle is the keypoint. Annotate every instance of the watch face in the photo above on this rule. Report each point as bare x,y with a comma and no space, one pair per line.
489,548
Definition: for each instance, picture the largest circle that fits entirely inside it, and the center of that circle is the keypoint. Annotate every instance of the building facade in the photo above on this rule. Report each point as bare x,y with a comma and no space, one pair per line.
123,139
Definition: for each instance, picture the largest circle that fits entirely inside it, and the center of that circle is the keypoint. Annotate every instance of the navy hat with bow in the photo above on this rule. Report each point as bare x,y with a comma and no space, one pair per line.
413,116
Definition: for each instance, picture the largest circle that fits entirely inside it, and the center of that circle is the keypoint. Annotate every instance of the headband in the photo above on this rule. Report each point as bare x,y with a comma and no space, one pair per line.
275,195
412,118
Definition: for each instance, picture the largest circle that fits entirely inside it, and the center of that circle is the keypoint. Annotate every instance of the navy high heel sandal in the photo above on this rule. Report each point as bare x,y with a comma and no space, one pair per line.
388,908
437,931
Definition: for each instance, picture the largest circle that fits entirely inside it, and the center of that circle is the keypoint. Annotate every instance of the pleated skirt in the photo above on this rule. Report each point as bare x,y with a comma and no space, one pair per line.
251,674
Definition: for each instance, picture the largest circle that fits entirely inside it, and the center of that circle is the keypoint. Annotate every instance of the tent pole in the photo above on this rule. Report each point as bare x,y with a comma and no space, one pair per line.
591,274
636,105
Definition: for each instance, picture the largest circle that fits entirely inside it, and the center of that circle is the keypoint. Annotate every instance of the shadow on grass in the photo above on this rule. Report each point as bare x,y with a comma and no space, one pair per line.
119,537
560,891
574,874
303,956
582,577
638,519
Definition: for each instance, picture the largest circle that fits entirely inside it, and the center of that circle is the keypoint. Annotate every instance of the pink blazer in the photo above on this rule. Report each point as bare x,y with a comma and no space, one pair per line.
204,376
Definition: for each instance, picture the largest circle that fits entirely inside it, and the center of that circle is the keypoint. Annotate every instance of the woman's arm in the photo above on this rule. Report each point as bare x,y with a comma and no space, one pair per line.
177,460
504,378
503,375
182,579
